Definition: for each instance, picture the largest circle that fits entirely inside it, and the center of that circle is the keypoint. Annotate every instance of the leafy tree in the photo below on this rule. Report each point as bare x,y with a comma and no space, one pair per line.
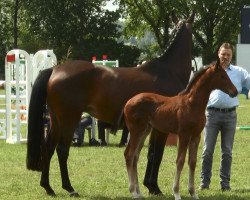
148,15
83,25
215,22
5,31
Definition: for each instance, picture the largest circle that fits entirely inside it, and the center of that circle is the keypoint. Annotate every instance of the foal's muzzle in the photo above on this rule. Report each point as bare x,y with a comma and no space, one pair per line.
234,94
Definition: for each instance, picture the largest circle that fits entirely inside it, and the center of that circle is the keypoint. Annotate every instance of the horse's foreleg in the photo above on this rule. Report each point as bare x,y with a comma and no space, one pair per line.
182,150
193,149
48,151
63,153
156,148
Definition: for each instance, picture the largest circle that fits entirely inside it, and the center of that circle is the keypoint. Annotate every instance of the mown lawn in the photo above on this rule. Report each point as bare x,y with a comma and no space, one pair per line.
99,173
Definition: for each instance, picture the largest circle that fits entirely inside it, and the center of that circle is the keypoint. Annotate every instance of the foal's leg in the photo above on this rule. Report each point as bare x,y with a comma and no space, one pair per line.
192,159
156,148
137,155
182,150
48,151
131,154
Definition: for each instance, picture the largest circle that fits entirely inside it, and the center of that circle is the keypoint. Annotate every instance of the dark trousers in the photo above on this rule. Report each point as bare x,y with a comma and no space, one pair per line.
79,132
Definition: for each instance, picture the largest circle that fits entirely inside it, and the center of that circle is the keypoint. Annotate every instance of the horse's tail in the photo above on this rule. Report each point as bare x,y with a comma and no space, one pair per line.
37,108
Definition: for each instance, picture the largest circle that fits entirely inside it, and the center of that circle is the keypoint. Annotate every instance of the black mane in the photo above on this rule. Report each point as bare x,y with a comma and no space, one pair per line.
174,39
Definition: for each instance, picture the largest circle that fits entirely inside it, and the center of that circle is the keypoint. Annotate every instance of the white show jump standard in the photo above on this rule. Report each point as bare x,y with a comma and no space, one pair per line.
21,69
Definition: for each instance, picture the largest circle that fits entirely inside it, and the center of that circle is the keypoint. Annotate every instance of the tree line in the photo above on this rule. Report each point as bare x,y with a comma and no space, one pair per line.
83,29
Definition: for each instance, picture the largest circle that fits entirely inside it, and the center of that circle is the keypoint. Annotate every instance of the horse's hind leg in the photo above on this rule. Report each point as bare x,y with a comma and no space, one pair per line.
67,127
63,153
192,159
48,151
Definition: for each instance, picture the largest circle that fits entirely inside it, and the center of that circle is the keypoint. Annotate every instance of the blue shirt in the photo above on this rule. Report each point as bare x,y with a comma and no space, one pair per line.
240,78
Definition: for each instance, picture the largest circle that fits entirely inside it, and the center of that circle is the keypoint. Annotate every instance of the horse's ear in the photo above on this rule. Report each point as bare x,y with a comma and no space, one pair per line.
217,64
191,18
174,18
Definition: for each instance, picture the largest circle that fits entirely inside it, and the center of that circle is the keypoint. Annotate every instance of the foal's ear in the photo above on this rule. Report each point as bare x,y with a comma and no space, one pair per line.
217,64
174,18
191,18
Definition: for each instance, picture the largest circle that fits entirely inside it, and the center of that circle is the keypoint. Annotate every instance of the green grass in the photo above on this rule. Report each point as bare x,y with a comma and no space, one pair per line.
99,173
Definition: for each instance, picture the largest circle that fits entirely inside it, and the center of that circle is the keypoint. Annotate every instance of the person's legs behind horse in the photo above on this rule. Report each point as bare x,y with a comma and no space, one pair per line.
124,138
78,137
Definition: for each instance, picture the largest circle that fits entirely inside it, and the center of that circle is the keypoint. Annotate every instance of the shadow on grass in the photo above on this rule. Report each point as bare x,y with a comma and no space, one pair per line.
171,197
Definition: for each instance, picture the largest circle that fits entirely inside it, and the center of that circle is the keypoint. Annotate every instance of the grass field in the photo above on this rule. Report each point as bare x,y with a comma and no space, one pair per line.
99,173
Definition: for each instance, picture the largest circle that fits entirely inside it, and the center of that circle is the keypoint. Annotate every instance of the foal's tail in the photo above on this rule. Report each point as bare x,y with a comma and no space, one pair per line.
37,107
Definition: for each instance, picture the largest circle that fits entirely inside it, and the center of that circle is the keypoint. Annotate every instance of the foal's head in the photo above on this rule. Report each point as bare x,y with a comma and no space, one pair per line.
220,80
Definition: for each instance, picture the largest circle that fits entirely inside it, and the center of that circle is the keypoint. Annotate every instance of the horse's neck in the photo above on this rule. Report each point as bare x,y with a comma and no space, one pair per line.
181,49
199,93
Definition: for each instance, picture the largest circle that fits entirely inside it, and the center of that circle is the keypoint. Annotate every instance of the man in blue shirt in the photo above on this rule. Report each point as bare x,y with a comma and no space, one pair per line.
221,117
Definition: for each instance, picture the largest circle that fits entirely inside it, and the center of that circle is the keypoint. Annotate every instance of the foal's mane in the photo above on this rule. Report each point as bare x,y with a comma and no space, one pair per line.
195,78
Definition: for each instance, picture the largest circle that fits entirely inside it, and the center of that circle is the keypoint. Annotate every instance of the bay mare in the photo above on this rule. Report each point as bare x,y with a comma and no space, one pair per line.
183,115
79,86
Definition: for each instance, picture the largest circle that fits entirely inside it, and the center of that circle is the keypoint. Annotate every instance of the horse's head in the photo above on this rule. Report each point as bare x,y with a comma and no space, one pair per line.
179,23
182,34
221,81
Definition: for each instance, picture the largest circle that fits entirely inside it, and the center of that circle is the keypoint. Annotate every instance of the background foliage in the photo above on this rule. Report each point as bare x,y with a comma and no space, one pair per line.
137,30
215,22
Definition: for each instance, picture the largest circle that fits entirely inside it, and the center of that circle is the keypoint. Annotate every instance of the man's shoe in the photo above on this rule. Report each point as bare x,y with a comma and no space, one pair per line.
94,142
204,187
76,143
225,189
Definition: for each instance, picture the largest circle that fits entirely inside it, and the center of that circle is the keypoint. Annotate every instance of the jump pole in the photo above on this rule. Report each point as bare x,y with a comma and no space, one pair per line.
243,128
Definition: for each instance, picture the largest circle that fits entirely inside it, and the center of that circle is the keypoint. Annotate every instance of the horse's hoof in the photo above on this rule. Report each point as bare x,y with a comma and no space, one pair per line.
74,194
160,194
154,190
51,193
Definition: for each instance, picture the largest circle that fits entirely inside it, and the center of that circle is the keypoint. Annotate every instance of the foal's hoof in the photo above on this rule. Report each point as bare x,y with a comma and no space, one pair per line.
137,196
195,197
74,194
